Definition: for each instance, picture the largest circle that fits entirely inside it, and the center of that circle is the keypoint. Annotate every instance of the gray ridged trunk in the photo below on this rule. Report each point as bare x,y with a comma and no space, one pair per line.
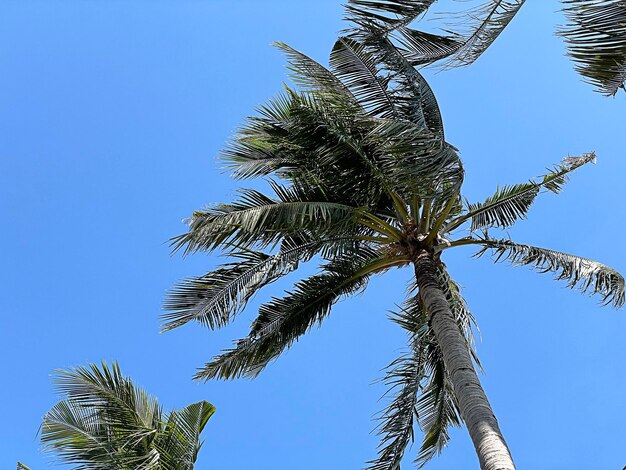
493,453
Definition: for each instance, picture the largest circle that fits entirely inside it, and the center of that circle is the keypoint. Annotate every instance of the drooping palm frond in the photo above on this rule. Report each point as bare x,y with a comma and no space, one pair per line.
343,162
437,412
422,48
283,320
482,25
513,202
293,130
581,273
215,298
107,423
385,14
414,132
596,41
403,379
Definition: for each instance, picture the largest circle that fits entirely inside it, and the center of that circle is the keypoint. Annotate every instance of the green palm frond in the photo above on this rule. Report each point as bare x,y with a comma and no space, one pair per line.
421,48
291,133
298,135
582,273
596,41
413,159
437,411
180,439
385,15
113,395
307,138
77,435
259,220
413,97
21,466
283,320
106,423
215,298
403,379
310,142
513,202
263,146
483,24
358,69
313,77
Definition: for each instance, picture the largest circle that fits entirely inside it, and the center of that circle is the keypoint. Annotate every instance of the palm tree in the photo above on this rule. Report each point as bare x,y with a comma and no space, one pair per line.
107,423
362,179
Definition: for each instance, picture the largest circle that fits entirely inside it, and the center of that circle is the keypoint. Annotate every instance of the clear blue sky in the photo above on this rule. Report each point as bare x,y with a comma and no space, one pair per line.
111,115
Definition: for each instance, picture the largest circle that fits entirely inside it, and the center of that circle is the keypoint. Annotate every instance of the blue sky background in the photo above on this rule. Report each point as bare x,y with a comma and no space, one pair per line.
111,115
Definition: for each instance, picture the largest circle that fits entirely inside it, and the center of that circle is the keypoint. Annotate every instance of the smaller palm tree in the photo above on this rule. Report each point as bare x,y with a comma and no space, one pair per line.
107,423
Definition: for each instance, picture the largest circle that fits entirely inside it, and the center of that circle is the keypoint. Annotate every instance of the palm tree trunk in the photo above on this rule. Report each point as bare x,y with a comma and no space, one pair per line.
493,453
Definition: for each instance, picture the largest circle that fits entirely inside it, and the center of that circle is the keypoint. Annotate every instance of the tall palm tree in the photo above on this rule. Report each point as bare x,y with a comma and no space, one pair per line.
363,180
107,423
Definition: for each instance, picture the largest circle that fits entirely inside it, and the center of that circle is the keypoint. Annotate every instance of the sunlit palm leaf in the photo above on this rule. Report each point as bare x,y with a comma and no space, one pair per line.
414,159
78,435
596,41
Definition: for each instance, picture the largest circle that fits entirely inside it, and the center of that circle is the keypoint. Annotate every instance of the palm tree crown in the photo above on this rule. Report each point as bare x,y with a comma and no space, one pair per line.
107,423
362,178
